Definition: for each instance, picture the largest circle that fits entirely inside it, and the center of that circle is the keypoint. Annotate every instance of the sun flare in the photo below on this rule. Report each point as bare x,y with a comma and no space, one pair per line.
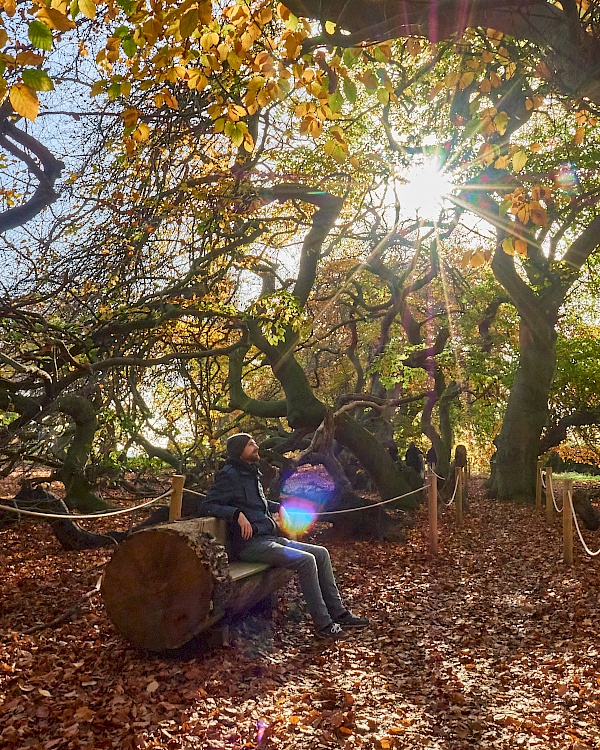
425,189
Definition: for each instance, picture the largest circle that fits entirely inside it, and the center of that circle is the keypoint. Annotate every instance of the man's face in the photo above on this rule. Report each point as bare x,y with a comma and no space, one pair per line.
250,452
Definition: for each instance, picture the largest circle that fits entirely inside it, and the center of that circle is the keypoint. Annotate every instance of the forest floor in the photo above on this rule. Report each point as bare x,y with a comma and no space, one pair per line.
493,643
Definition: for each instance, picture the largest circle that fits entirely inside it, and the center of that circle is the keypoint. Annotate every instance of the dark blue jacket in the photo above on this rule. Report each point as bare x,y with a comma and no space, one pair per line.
238,489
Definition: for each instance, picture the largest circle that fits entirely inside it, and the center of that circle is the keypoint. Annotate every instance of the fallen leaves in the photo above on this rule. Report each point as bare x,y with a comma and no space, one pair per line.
491,644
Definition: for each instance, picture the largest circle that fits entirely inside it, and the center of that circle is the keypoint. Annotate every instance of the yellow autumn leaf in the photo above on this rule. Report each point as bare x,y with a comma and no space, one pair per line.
171,101
508,246
27,58
141,133
520,246
451,79
466,79
579,134
538,215
10,7
55,19
88,8
519,160
477,259
24,101
130,117
501,122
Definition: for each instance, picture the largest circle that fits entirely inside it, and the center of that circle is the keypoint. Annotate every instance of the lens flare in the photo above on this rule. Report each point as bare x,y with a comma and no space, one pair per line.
262,727
566,178
297,515
310,485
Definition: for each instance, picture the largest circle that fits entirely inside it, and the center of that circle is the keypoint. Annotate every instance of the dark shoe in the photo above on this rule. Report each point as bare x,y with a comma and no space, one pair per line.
331,632
348,620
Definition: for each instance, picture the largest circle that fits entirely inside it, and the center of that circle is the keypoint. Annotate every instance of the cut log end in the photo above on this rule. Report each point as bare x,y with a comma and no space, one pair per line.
166,584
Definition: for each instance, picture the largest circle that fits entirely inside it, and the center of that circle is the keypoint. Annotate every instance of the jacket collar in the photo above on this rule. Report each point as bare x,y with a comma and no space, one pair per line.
245,467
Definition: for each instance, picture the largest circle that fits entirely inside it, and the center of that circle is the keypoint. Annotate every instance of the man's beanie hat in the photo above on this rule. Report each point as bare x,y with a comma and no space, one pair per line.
236,444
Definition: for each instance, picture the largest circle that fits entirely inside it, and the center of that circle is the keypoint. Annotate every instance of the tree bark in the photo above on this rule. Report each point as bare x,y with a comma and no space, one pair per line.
526,415
79,492
376,461
167,584
572,51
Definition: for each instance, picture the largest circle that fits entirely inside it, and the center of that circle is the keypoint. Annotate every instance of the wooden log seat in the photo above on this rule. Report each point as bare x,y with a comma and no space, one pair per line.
168,583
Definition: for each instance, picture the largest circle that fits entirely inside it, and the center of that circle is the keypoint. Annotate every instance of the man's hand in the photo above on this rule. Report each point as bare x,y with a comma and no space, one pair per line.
245,526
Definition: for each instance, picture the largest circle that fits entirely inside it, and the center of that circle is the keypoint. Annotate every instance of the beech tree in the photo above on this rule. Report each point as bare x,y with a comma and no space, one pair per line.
234,77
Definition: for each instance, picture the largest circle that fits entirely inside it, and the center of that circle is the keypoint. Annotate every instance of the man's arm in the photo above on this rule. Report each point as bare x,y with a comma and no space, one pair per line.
219,500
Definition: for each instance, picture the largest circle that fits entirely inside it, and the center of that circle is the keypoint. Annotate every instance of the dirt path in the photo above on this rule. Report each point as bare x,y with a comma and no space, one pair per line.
493,644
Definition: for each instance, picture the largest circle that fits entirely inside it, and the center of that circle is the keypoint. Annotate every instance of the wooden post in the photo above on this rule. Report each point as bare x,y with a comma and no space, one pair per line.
176,497
567,523
433,511
538,484
459,495
549,507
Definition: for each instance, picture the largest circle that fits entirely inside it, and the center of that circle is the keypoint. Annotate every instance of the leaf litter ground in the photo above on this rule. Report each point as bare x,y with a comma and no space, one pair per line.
493,643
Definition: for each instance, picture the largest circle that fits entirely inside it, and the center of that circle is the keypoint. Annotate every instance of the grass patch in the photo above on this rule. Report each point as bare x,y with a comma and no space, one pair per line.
575,477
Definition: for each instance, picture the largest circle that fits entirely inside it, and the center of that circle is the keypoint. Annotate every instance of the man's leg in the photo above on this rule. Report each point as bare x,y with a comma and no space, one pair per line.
286,554
327,584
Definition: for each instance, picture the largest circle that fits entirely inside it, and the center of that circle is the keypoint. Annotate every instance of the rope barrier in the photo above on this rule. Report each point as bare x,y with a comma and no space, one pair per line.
556,508
80,516
374,505
581,539
193,492
449,503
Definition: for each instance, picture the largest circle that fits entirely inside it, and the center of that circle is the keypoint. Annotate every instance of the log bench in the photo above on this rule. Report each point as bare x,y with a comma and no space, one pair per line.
166,584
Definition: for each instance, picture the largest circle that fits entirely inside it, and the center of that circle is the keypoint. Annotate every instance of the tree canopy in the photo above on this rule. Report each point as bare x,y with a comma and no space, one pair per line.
204,229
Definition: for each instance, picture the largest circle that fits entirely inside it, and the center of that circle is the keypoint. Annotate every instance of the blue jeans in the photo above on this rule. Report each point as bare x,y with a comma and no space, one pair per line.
313,565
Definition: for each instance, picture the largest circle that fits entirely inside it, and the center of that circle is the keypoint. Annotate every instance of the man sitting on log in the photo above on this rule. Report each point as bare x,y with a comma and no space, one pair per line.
238,496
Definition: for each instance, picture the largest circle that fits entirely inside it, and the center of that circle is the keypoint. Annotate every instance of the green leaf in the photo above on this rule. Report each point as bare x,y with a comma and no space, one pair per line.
350,57
129,46
121,32
335,101
350,90
128,6
383,95
291,23
237,137
74,9
38,80
40,35
189,23
473,126
114,90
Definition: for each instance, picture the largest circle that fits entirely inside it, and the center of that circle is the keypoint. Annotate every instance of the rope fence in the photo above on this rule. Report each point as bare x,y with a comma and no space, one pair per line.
544,484
81,516
569,517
